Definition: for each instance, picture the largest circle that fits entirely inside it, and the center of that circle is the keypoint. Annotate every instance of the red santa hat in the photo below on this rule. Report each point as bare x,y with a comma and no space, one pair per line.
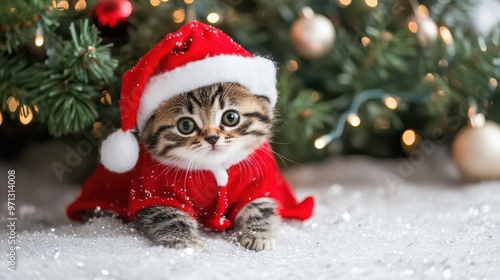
196,55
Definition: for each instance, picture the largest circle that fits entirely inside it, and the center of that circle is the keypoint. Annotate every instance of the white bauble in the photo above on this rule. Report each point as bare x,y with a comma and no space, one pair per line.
476,151
312,35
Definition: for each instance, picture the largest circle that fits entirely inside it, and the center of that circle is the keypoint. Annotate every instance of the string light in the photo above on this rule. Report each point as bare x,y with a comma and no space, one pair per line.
1,118
365,41
179,15
96,130
413,27
354,120
371,3
321,142
292,65
446,35
25,116
188,1
344,3
350,116
63,5
80,5
482,43
409,137
154,3
213,17
39,36
423,11
164,1
429,77
493,83
443,63
106,99
391,102
12,104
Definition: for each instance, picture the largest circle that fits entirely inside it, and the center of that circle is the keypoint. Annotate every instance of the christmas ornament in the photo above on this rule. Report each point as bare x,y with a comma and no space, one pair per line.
476,149
312,35
425,28
112,16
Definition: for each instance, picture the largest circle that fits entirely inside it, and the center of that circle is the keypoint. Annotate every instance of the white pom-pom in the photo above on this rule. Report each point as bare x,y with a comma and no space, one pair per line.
120,151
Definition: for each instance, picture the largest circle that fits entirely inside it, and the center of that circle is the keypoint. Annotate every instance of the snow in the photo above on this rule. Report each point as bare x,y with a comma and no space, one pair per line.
374,219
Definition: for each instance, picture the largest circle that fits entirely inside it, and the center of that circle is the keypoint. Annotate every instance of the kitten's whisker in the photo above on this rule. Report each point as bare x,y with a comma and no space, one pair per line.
282,157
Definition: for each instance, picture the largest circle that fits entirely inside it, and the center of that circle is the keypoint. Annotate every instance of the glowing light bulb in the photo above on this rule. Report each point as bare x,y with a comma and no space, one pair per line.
188,1
213,17
493,83
39,36
344,3
391,102
292,65
63,5
409,137
365,41
179,15
1,118
25,116
80,5
321,142
12,104
354,120
413,27
423,11
429,77
446,35
371,3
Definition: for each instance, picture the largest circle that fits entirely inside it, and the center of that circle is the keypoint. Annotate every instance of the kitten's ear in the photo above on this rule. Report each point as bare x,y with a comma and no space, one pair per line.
120,151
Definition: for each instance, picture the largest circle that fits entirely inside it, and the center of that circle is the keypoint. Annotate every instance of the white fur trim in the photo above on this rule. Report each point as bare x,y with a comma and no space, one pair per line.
257,74
120,151
221,176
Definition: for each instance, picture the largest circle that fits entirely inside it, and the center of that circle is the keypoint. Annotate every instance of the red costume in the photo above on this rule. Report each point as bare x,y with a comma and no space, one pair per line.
196,192
129,179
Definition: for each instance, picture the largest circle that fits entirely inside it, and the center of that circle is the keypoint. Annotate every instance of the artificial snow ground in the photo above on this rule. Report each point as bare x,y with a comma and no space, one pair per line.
419,224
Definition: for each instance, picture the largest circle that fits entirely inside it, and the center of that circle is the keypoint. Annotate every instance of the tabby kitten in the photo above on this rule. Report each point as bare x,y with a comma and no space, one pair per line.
217,125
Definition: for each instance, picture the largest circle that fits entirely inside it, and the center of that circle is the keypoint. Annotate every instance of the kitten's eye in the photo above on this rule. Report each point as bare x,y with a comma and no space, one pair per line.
186,125
230,118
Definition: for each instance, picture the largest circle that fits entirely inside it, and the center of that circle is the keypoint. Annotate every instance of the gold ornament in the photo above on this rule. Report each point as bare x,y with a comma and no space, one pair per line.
312,35
476,149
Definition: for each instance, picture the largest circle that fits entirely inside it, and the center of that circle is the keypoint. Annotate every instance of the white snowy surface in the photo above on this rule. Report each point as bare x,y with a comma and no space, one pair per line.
424,223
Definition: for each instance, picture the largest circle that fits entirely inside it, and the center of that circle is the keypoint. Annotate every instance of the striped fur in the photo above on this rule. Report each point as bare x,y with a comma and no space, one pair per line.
212,142
256,224
169,227
206,107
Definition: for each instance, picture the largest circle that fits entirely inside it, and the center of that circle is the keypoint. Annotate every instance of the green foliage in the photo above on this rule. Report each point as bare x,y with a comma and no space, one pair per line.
66,86
432,81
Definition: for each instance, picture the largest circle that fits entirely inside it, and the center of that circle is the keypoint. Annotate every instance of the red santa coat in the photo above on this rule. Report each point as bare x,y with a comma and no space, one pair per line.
152,183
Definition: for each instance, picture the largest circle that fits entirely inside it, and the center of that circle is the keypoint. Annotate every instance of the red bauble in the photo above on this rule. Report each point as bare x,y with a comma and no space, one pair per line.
112,13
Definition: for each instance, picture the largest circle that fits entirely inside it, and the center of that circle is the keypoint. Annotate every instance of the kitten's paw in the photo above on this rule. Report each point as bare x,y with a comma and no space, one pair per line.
256,243
183,243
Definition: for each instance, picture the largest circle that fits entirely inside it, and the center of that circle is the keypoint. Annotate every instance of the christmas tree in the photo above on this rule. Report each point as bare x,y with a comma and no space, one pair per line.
371,77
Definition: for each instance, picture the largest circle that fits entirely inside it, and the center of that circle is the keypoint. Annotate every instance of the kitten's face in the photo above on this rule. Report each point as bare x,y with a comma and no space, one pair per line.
214,125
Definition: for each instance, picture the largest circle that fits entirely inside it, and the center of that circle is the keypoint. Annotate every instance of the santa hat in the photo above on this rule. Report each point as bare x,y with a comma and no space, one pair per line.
196,55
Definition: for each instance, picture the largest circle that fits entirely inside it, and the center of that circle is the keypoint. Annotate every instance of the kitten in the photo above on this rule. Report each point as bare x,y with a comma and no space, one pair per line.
218,125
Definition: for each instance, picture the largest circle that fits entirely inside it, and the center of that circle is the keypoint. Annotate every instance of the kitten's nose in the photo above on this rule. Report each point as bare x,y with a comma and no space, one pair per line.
212,139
